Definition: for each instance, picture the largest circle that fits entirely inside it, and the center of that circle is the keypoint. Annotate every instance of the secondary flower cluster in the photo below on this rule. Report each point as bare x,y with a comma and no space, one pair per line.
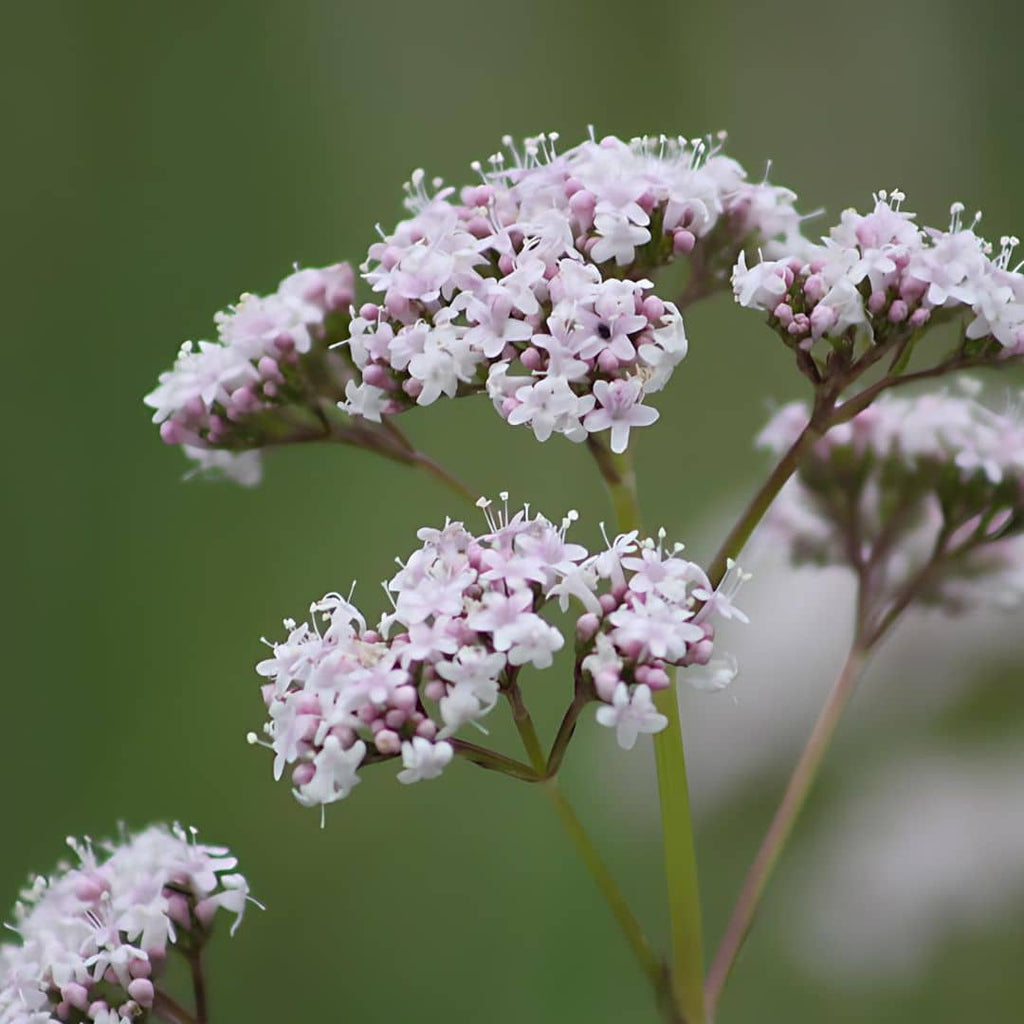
265,377
924,493
466,619
95,937
533,284
882,274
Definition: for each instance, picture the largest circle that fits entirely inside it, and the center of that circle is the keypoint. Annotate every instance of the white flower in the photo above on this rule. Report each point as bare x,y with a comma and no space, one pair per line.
717,674
547,404
336,773
423,760
245,468
630,715
620,409
364,400
533,641
618,238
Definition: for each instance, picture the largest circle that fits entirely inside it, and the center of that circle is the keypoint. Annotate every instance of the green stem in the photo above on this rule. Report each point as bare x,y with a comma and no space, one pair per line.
759,504
195,965
781,828
494,761
680,862
607,886
687,959
618,475
585,847
166,1008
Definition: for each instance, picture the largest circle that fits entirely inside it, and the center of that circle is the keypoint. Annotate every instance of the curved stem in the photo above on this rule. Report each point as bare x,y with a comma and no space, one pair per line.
585,847
781,827
436,470
195,964
164,1006
564,735
607,885
758,505
494,761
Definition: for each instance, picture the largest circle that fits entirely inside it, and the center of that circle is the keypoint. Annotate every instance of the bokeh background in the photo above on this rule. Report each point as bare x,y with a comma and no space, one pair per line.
161,158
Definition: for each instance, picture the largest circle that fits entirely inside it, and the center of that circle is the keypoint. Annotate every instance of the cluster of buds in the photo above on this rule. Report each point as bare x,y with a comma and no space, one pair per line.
95,937
882,277
532,285
466,619
923,498
271,376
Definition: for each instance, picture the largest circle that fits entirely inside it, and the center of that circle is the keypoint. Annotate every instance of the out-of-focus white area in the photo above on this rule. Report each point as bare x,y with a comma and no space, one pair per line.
789,656
914,847
932,844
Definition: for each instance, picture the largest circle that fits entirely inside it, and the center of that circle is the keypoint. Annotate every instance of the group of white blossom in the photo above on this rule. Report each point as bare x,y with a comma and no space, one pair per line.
466,618
927,489
530,286
533,283
271,353
93,939
883,274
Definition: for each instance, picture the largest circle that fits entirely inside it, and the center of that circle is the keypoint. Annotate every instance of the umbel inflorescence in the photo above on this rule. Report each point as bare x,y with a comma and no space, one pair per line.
881,277
94,938
466,620
541,286
532,286
923,498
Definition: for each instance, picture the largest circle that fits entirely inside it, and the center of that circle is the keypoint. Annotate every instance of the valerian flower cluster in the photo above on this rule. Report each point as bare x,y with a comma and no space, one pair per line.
466,618
921,496
883,276
531,286
534,287
94,938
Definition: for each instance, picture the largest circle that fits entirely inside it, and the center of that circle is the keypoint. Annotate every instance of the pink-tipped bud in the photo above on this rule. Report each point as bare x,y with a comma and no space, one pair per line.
388,742
815,288
377,376
920,317
683,242
607,361
783,312
653,308
427,729
412,387
898,312
434,690
171,432
302,774
876,302
395,718
177,909
532,358
587,625
141,990
75,994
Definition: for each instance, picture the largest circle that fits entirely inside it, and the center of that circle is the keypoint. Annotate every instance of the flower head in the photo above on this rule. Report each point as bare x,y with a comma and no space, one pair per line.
468,616
922,497
532,284
94,936
880,277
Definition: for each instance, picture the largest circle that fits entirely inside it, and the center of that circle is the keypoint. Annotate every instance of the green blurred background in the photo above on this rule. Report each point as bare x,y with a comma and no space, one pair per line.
160,158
